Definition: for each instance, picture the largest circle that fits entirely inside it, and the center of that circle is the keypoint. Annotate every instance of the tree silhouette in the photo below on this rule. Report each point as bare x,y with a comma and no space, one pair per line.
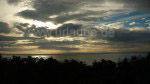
30,70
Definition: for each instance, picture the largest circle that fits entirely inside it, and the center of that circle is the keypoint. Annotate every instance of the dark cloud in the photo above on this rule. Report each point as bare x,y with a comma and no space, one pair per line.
14,1
11,38
55,45
78,16
126,40
46,8
35,15
95,19
130,37
9,43
62,31
57,48
11,49
52,7
67,29
43,9
70,29
142,5
9,46
67,17
24,26
4,28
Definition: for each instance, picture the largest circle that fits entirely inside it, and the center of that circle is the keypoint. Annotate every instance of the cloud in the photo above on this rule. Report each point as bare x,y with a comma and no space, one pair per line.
67,29
35,15
65,10
14,1
46,8
55,45
24,26
10,43
132,23
62,31
132,35
45,47
142,5
12,38
81,10
79,16
126,40
4,28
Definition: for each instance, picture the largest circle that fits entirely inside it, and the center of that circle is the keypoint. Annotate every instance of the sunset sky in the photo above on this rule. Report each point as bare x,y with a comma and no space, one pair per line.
129,20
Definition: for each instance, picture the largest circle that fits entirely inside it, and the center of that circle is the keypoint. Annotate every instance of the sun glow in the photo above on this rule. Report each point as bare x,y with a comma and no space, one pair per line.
44,24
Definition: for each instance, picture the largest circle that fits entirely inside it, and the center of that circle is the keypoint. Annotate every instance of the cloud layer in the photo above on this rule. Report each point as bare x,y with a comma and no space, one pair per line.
4,27
76,15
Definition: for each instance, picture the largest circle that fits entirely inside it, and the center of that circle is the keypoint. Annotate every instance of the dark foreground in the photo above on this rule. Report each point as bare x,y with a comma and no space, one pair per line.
50,71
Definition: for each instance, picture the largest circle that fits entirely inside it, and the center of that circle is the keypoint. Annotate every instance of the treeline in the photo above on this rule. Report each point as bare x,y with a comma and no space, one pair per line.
50,71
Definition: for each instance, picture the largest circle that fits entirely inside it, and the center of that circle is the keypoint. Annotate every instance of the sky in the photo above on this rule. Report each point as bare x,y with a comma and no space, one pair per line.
74,26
